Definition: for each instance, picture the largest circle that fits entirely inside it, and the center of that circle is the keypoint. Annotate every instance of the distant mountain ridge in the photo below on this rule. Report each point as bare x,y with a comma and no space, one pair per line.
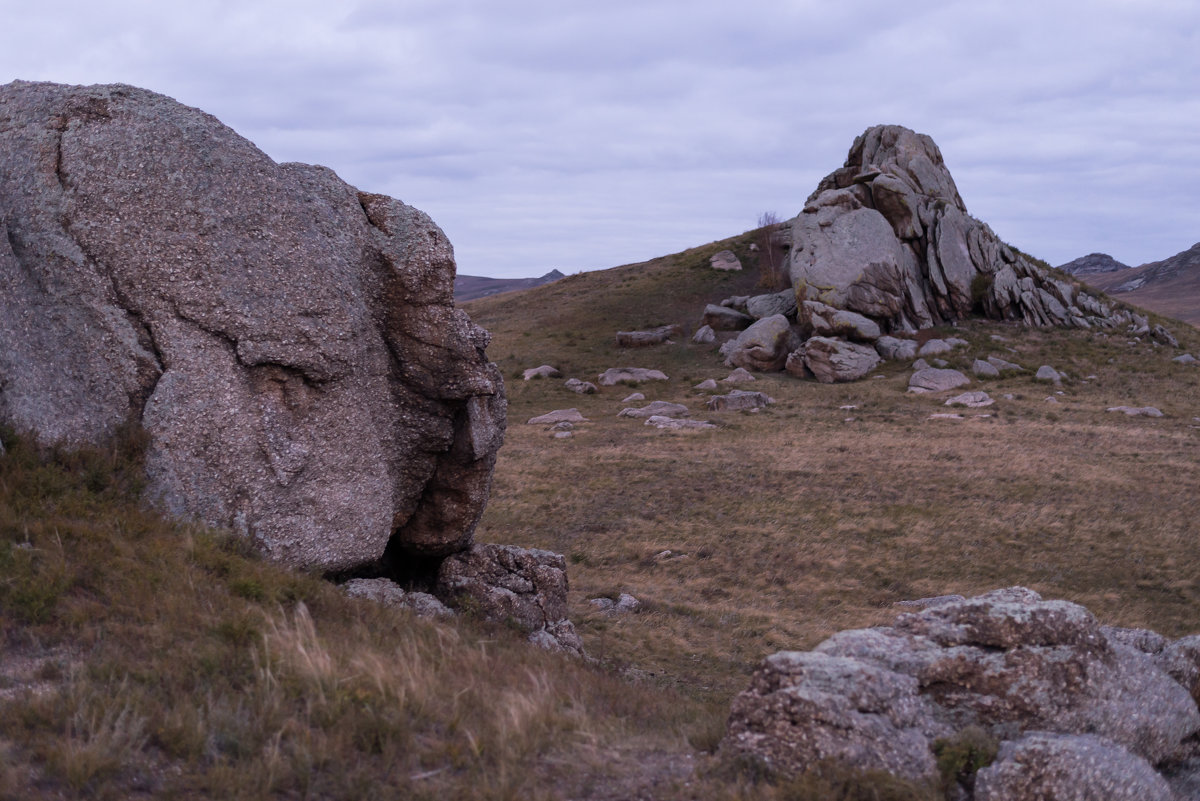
1170,286
470,287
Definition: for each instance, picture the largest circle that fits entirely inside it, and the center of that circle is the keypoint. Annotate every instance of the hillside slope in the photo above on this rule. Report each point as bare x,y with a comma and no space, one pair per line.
1170,286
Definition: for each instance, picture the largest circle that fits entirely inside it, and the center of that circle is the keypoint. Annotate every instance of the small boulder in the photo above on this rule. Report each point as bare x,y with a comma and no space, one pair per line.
1047,374
894,349
935,347
725,260
642,339
971,400
723,318
582,387
1004,366
660,408
1137,411
983,369
558,416
1186,358
615,375
677,424
763,346
705,335
707,384
739,400
835,361
545,371
739,376
934,379
762,306
636,396
1163,336
388,593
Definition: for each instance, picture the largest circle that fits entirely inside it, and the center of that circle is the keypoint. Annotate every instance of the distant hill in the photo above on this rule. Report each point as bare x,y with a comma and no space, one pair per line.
1170,286
471,287
1092,264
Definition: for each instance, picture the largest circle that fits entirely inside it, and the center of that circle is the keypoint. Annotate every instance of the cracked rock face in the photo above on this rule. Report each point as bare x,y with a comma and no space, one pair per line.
289,343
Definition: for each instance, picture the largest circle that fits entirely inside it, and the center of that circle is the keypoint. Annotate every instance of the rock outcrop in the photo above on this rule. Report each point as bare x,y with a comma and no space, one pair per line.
289,343
1066,699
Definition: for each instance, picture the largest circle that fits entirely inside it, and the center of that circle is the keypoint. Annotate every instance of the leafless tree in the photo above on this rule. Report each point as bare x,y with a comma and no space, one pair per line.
770,256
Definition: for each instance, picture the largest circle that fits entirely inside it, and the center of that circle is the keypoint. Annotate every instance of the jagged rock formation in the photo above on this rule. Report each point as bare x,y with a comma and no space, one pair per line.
883,248
1063,696
289,343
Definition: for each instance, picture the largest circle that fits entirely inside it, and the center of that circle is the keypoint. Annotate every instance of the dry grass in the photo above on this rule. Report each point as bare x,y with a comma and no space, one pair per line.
143,659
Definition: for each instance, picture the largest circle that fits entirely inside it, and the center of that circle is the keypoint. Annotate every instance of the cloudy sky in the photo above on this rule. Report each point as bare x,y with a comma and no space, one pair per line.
582,135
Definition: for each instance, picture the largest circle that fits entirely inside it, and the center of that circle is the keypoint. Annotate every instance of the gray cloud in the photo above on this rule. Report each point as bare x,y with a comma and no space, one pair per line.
579,136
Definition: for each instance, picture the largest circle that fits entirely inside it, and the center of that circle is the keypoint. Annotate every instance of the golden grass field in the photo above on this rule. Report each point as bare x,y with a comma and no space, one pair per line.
145,659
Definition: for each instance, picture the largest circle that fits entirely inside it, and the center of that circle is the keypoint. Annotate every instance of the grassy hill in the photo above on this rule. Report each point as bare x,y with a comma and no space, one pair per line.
147,659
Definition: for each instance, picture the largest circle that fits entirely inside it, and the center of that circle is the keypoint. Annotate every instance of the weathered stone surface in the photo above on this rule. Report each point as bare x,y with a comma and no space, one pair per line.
820,319
643,339
633,396
388,593
739,376
1185,358
723,318
704,335
1007,662
936,379
972,400
983,369
659,408
763,346
1055,767
1049,375
761,306
580,387
289,344
615,375
725,260
707,384
1004,366
544,371
558,416
623,605
739,400
895,350
523,585
833,361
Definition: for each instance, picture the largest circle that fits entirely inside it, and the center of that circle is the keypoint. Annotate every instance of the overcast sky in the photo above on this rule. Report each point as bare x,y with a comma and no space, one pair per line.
583,135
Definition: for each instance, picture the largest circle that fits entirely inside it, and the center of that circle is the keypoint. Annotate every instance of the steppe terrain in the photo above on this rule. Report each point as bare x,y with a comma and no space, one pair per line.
145,659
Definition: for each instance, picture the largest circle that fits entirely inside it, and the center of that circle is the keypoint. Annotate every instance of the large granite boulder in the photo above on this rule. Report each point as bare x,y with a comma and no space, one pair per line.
1010,664
832,361
289,343
764,346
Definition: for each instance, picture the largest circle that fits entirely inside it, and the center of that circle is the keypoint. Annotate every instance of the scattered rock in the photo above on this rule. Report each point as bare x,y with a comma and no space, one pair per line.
739,400
643,339
896,350
945,416
832,361
971,400
983,369
1186,358
763,346
934,379
935,347
676,424
563,434
503,582
1163,336
739,376
289,344
624,604
1137,411
705,335
762,306
725,260
707,384
563,426
1049,375
545,371
819,319
928,603
558,416
920,364
723,318
636,396
615,375
659,408
389,593
582,387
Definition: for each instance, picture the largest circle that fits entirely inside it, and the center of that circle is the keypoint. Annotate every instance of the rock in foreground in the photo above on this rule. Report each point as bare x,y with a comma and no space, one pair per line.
289,343
1041,678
